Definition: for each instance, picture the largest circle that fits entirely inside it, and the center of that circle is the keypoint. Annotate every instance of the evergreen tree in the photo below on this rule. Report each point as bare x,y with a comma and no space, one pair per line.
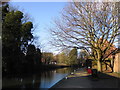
15,38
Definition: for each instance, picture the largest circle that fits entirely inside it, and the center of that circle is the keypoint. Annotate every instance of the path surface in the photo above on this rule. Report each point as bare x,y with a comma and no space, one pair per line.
81,79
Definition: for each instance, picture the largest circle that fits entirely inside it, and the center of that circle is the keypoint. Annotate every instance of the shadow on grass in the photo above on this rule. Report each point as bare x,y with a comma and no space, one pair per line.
103,81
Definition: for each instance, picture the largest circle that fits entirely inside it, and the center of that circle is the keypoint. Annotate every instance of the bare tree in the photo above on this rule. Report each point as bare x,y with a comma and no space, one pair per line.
88,24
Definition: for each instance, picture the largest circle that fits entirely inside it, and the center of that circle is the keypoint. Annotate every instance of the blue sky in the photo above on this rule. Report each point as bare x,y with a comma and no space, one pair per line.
42,14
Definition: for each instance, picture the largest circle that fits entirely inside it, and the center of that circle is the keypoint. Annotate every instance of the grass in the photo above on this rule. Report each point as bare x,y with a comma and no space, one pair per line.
107,72
114,74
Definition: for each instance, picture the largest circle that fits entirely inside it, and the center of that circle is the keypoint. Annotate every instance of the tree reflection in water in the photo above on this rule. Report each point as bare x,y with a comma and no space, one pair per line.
40,80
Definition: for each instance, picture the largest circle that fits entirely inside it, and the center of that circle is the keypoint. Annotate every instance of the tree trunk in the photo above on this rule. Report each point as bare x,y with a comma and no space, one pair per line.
106,67
99,65
112,65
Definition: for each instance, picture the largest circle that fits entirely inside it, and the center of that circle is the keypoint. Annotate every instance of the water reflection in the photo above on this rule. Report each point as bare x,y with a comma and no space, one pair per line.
42,80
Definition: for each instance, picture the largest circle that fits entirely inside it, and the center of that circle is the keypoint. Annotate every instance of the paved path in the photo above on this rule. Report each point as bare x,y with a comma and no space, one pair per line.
81,79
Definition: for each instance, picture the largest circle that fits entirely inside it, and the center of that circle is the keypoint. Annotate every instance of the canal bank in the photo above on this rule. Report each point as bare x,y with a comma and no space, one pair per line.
81,79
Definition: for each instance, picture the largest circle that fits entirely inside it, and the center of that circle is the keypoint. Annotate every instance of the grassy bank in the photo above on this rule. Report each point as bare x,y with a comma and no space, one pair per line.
114,74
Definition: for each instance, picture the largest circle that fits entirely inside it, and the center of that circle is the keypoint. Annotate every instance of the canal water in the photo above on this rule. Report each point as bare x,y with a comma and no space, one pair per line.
40,80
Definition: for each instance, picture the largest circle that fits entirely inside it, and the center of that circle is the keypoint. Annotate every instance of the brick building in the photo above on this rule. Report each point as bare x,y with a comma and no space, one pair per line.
117,62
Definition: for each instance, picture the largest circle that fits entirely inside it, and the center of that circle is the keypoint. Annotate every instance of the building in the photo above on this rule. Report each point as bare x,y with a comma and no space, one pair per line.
117,62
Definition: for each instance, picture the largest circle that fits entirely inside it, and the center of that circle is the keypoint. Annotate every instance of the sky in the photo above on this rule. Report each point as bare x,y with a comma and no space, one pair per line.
42,14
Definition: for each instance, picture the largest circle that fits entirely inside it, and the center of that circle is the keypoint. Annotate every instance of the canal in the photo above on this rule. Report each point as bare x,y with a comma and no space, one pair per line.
40,80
